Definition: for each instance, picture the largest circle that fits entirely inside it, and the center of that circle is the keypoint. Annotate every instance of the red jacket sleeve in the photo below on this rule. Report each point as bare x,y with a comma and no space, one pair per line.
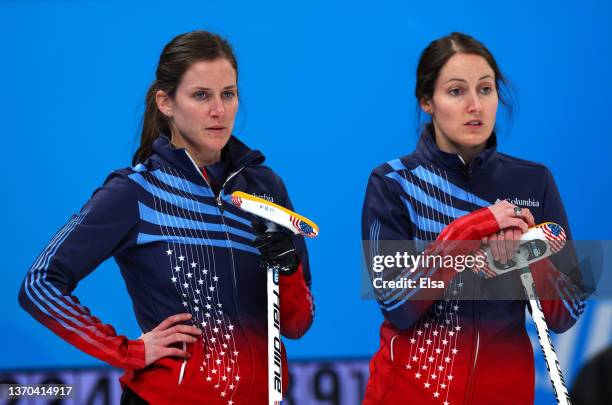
296,304
558,279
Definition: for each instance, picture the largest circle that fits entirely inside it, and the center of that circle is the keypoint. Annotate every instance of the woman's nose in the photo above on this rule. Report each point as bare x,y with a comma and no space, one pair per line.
216,107
474,103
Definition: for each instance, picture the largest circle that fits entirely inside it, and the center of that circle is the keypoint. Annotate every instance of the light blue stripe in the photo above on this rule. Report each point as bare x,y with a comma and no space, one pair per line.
42,309
573,304
224,243
139,168
441,183
185,203
46,251
425,199
182,184
411,293
157,218
389,294
424,224
227,214
396,165
38,277
76,221
236,218
570,311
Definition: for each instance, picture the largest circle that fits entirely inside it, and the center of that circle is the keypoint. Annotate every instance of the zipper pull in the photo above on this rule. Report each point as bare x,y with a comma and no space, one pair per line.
219,202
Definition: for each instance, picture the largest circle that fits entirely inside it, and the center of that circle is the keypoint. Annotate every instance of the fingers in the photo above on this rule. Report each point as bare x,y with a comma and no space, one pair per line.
528,217
517,240
494,246
518,223
186,329
174,352
506,216
503,244
510,243
171,320
177,337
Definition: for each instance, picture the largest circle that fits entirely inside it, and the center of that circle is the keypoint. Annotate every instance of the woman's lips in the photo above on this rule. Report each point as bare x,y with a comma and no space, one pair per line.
474,124
216,130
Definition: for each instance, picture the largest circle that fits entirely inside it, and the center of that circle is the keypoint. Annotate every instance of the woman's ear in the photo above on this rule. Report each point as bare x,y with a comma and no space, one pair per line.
426,106
164,103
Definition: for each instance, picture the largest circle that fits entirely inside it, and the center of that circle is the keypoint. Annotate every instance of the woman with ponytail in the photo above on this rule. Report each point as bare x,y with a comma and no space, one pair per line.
191,261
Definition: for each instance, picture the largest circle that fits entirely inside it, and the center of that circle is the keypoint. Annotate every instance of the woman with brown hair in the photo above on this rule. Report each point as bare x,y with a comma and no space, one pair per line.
191,261
456,344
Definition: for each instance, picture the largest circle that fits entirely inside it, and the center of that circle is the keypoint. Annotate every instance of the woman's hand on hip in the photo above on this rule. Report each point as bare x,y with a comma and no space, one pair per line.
171,330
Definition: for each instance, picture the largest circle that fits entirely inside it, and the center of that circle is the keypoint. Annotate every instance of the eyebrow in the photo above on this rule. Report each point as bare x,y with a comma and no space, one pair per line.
231,86
462,80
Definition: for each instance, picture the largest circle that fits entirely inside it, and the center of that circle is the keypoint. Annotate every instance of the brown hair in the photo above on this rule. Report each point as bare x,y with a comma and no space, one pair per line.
438,52
177,56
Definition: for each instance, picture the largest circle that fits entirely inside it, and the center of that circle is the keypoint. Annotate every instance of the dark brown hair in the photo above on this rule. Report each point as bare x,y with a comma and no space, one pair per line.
177,56
438,52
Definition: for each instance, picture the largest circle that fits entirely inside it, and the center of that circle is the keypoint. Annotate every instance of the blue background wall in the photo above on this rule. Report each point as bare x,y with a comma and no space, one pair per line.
327,94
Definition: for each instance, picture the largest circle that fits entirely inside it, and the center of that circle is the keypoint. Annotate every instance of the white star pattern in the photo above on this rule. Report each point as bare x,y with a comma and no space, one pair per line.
189,296
188,262
433,340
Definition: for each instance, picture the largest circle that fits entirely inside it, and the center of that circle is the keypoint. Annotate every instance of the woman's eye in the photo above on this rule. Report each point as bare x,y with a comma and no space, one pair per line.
455,91
228,94
200,95
486,90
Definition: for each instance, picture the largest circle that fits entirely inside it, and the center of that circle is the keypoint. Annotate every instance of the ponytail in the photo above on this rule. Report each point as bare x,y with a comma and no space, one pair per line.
154,123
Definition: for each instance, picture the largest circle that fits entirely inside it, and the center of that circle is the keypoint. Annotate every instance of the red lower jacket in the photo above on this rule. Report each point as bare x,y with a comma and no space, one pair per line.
159,382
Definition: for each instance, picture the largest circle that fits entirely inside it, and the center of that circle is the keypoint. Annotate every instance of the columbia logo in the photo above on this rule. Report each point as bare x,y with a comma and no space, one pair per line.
520,202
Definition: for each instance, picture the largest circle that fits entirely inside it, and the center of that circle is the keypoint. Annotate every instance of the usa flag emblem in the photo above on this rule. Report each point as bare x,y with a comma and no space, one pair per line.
237,201
302,227
555,236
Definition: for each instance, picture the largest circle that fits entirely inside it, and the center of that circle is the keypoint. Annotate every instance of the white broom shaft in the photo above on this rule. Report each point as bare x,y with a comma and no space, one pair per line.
552,363
274,343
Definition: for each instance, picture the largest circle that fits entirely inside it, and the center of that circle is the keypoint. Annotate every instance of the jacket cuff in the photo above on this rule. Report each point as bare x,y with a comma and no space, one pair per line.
135,354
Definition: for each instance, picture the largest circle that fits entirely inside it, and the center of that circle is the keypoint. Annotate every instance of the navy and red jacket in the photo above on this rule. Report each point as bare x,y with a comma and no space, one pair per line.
435,347
180,248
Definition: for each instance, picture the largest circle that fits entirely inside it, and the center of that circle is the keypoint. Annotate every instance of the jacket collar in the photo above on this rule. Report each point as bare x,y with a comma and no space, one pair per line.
235,152
428,150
